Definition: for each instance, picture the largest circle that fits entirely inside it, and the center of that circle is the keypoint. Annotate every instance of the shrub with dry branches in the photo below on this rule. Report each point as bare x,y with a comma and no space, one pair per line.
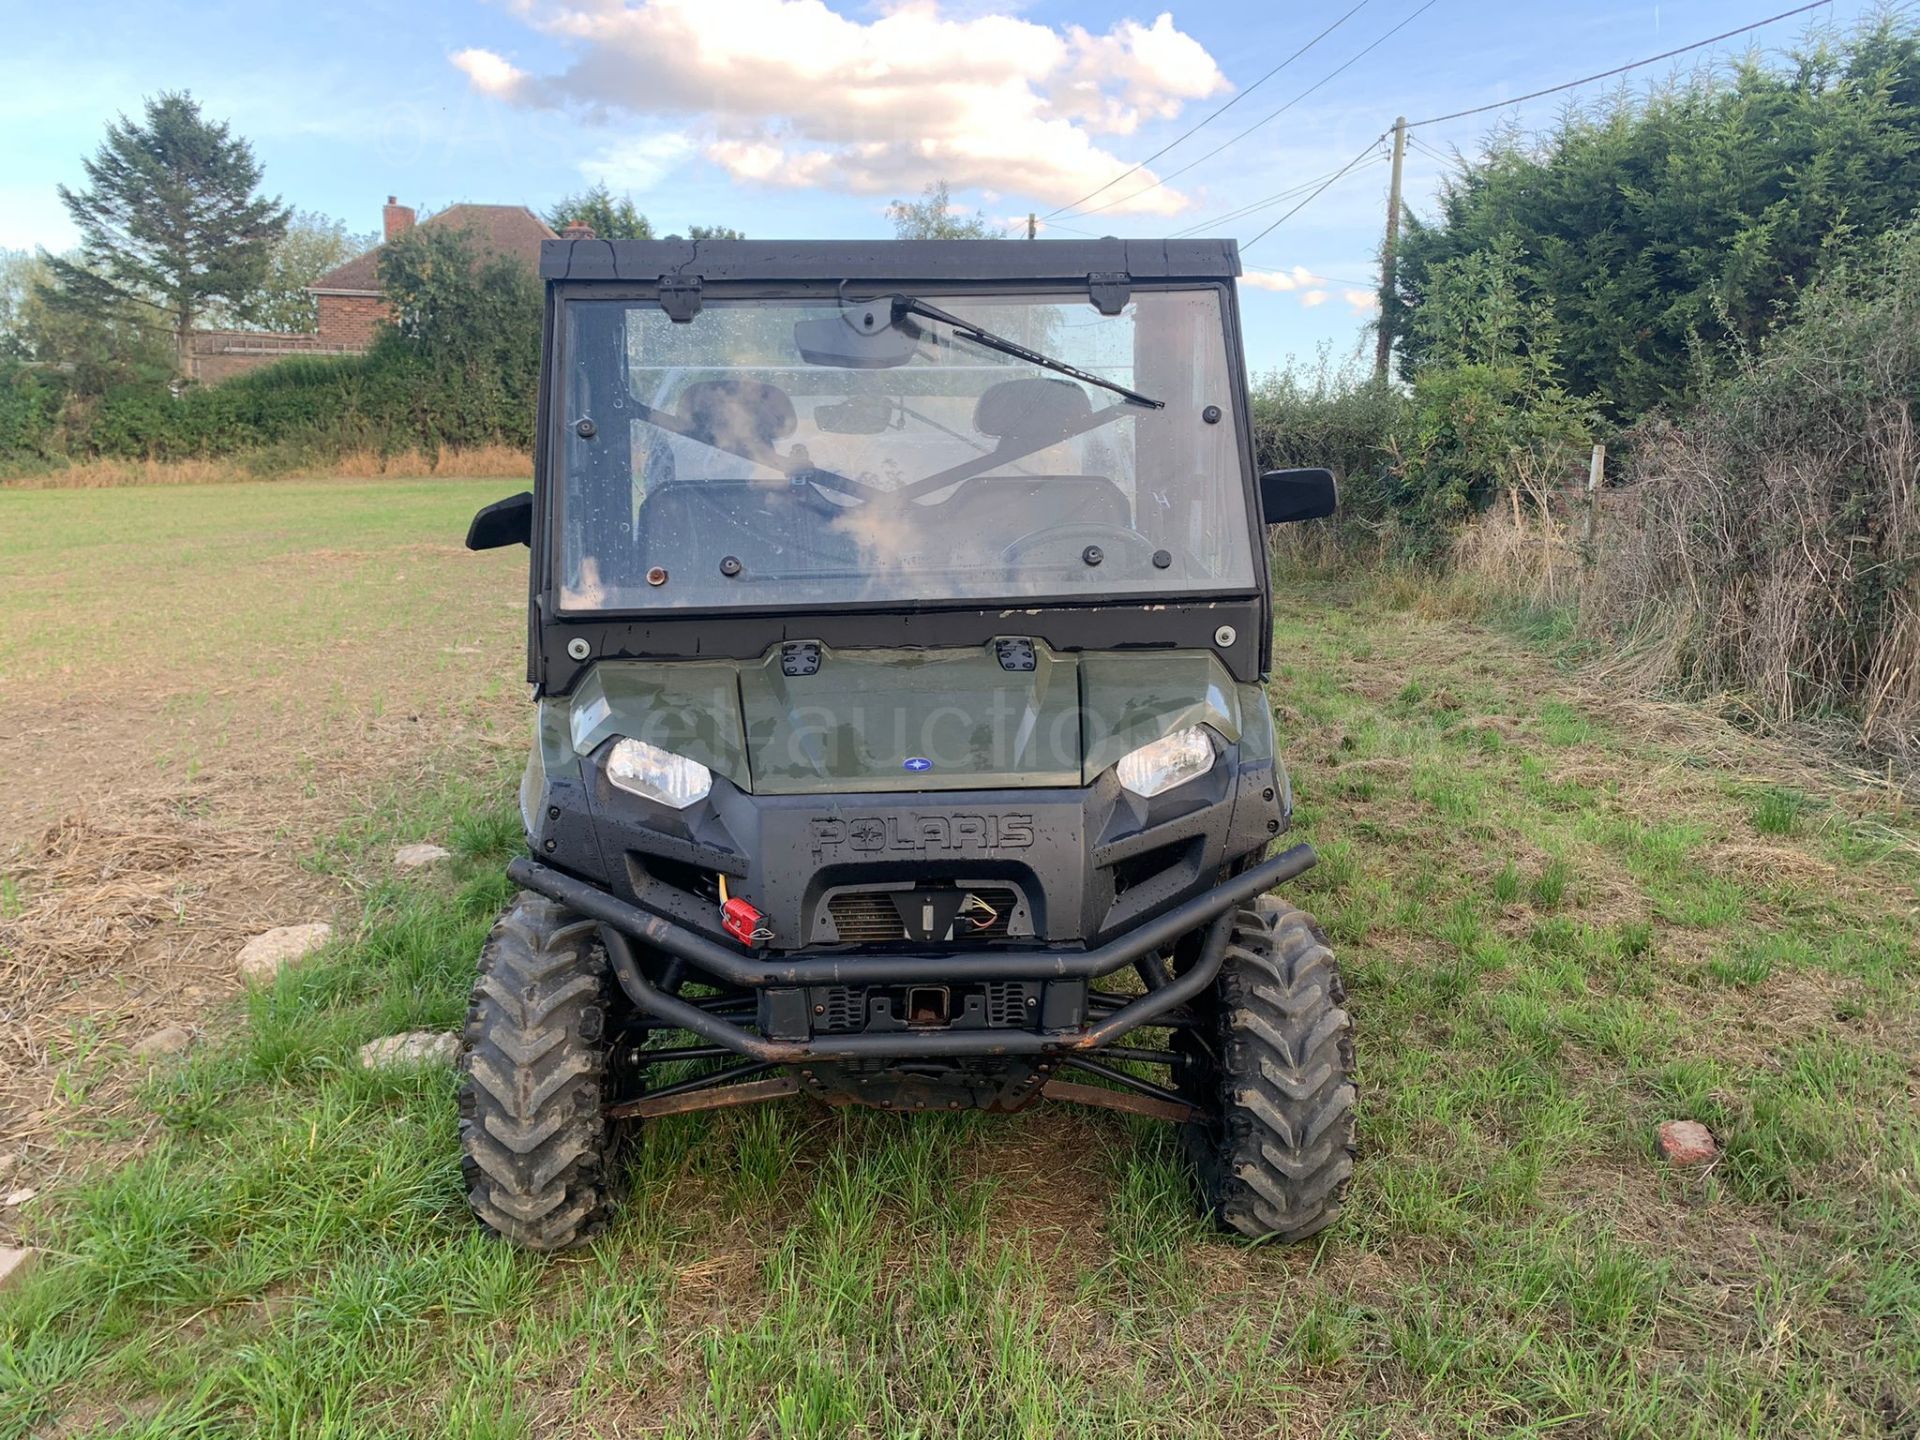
1769,542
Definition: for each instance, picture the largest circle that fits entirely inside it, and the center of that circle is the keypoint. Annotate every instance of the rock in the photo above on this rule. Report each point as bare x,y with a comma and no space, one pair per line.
170,1040
14,1264
9,1162
1687,1142
18,1197
266,954
418,857
415,1047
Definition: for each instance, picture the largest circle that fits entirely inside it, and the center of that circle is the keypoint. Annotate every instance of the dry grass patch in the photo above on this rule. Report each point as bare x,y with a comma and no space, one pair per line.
472,463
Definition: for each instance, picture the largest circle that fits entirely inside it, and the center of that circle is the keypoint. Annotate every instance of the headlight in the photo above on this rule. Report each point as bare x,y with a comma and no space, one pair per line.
1169,761
658,775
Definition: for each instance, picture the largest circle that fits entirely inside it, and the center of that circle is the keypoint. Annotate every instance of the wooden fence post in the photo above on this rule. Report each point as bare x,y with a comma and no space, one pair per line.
1596,473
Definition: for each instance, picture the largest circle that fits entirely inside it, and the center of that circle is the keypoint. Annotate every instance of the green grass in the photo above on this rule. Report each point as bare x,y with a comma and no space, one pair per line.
222,574
1541,967
1777,812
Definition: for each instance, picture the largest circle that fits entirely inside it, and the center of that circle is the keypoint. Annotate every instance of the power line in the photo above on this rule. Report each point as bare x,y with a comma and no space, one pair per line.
1323,80
1187,134
1246,210
1620,69
1334,178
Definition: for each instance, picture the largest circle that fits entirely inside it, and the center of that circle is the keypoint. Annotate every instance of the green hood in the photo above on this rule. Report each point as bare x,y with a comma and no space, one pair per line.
877,720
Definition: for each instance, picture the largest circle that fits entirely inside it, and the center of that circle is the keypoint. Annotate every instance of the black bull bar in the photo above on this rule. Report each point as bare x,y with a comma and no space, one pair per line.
622,924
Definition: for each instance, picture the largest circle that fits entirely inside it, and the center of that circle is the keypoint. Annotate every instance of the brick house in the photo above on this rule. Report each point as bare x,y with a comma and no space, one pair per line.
348,297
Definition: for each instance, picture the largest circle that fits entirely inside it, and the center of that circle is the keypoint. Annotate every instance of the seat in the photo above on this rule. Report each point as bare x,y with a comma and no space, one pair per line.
1034,408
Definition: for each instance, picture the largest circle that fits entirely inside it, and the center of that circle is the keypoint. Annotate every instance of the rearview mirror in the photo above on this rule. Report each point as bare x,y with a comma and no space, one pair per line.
834,341
505,522
1288,495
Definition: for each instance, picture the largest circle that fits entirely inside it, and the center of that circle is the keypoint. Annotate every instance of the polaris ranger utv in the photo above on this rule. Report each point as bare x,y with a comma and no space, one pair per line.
899,614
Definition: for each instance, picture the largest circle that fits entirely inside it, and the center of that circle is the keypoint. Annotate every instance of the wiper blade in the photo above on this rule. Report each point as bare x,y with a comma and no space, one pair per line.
907,305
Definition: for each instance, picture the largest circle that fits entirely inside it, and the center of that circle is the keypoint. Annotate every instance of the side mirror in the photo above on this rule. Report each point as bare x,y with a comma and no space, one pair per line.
1287,495
505,522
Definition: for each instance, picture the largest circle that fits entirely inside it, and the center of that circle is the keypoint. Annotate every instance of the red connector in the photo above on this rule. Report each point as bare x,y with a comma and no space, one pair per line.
744,923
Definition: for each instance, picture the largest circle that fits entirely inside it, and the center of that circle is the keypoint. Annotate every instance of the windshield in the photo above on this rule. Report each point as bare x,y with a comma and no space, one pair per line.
805,452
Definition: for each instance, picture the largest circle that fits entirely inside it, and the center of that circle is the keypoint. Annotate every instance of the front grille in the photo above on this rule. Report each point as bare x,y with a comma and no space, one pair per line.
995,1004
1006,1003
839,1009
865,915
869,916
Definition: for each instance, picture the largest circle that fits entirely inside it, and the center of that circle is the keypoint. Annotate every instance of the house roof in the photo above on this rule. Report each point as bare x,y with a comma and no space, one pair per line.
496,229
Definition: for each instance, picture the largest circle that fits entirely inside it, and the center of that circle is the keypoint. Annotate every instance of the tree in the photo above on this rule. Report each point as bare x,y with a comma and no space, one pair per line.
168,221
608,216
1489,411
464,332
1669,234
933,217
18,273
714,232
313,245
97,348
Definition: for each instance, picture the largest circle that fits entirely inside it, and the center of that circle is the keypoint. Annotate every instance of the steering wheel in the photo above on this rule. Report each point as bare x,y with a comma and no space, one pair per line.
1074,544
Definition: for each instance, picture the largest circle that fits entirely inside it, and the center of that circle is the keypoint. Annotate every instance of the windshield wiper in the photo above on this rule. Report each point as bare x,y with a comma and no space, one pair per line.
904,305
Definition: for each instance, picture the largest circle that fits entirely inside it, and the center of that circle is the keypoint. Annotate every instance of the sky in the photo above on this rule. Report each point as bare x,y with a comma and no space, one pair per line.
804,118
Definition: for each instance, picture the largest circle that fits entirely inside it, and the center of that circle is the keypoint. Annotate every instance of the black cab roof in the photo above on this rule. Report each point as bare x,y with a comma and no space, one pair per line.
906,260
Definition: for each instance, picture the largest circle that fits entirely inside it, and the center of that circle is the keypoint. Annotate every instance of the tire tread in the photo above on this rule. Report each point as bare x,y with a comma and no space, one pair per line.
534,1139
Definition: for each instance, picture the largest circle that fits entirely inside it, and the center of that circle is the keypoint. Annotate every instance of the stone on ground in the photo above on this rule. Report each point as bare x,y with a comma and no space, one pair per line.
266,954
169,1040
14,1264
415,1047
1687,1142
418,857
18,1197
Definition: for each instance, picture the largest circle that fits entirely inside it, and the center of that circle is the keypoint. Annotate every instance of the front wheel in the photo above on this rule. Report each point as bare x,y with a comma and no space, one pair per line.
535,1143
1270,1067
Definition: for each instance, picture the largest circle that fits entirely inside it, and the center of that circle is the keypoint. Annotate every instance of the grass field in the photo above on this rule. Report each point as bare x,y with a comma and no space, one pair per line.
1565,917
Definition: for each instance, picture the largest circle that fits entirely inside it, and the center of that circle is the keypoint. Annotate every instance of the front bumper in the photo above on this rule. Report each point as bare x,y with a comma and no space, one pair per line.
785,1032
1059,864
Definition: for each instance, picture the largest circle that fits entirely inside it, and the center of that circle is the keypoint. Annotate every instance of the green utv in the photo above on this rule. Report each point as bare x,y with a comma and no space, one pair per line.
898,619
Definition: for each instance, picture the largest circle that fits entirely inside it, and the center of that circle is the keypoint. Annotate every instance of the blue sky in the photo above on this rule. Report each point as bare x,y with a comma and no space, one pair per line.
802,118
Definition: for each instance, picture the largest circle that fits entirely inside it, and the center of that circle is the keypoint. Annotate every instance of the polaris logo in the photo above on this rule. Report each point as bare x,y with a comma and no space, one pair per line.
919,834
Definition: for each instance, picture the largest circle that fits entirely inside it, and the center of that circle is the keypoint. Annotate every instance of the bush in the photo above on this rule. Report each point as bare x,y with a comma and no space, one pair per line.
1338,416
30,402
458,369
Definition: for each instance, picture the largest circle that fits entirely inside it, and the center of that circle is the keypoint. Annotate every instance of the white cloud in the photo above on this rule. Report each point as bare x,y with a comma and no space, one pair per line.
639,162
490,74
792,92
1362,302
1134,70
1313,298
1298,278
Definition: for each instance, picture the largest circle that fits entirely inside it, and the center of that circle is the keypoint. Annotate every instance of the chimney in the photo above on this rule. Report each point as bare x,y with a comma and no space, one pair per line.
398,218
576,230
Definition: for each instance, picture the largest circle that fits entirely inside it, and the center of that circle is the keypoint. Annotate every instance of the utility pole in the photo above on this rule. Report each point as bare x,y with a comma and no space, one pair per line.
1383,349
1031,224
